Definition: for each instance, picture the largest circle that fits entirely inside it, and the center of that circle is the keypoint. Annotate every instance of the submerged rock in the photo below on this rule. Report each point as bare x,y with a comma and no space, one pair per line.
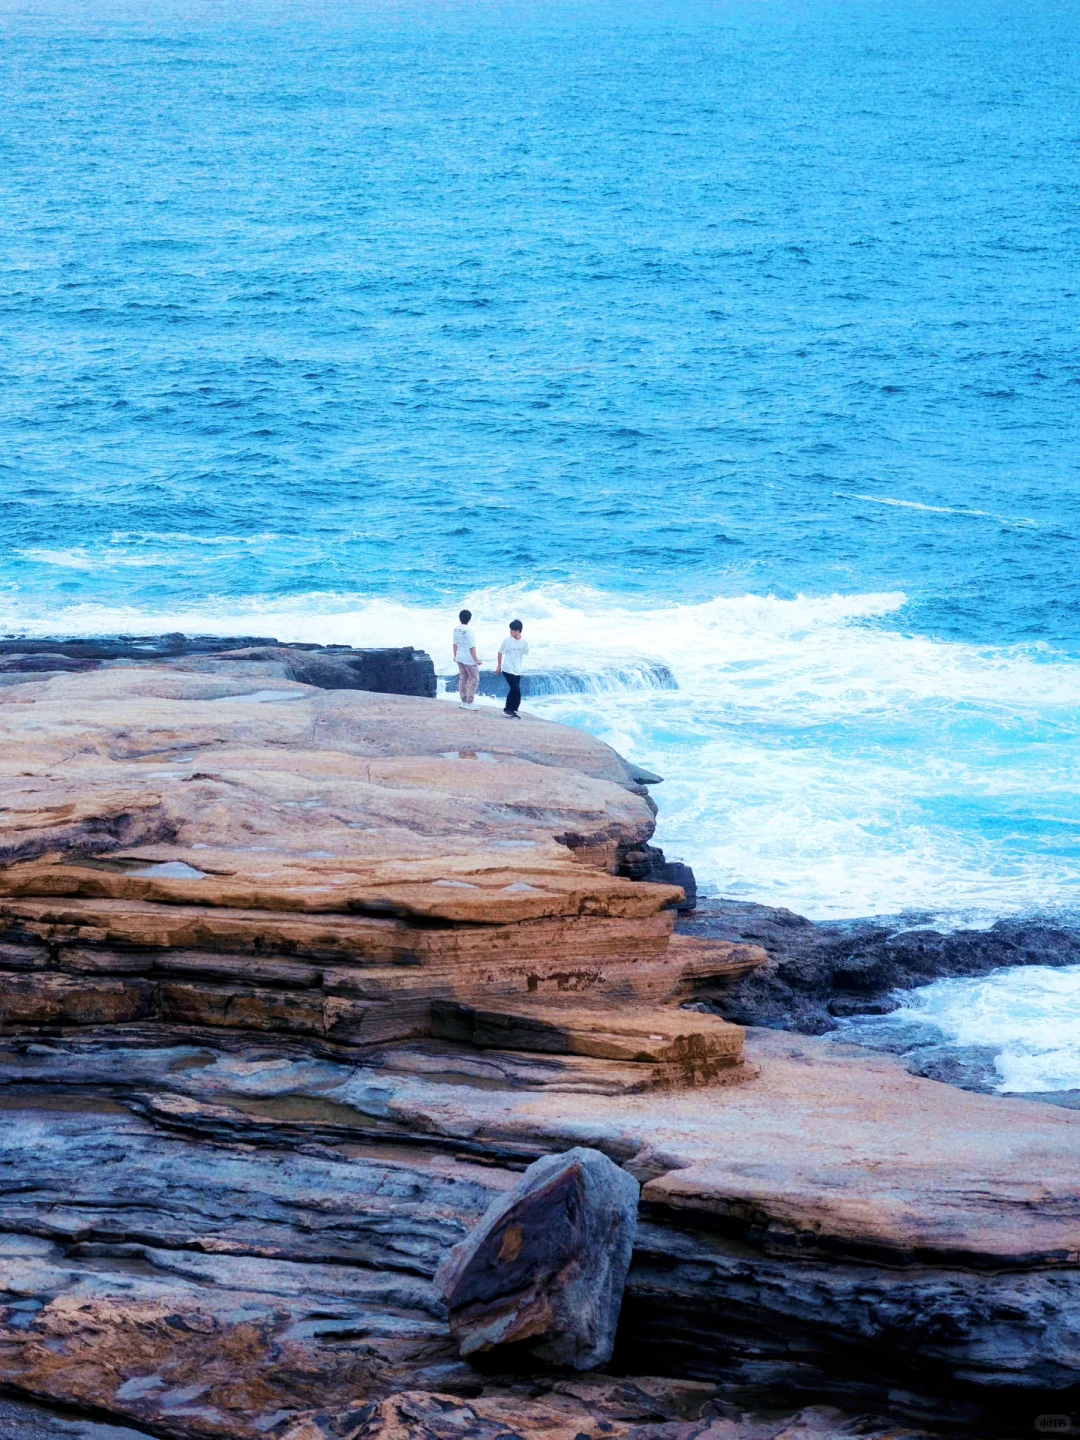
546,1266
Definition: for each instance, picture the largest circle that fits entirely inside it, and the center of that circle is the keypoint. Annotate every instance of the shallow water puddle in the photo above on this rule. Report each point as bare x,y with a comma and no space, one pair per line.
170,870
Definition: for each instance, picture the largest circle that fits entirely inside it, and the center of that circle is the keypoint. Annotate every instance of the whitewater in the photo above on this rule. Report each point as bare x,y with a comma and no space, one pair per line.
814,755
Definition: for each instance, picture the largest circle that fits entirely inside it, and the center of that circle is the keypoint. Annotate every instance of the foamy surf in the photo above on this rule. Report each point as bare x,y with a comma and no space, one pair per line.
814,754
1028,1015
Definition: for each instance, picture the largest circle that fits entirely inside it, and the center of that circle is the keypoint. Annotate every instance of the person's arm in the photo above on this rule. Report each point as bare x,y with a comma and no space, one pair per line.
498,665
475,658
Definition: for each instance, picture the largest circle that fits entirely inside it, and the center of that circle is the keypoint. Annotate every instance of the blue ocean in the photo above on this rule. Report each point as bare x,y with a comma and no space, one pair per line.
737,336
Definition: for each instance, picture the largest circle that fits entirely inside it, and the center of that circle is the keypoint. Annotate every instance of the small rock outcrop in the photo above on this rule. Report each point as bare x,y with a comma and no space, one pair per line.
546,1266
386,670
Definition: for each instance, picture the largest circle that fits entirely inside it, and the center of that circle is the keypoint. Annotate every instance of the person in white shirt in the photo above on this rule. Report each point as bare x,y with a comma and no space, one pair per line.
468,662
512,654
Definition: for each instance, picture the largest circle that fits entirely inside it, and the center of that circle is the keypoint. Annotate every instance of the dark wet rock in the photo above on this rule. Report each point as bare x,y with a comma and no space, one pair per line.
21,1420
822,973
1067,1099
971,1067
124,647
393,671
398,670
545,1267
648,862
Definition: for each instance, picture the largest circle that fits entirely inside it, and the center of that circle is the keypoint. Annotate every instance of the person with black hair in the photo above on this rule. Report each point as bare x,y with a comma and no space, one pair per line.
511,663
468,662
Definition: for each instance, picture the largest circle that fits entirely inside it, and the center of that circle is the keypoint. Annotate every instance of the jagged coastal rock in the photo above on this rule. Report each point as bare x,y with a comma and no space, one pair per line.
845,978
546,1266
296,982
821,973
390,670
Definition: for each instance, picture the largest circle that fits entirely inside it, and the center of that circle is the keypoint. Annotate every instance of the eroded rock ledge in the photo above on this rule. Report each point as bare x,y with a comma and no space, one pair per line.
294,983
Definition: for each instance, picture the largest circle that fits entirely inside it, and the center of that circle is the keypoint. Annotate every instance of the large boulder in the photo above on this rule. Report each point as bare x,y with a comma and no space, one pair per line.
545,1267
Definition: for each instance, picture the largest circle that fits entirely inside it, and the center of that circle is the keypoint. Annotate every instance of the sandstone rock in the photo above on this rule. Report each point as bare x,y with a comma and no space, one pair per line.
545,1267
232,911
312,864
691,1049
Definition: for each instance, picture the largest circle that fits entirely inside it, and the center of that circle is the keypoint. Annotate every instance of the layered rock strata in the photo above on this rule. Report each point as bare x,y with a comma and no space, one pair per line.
297,983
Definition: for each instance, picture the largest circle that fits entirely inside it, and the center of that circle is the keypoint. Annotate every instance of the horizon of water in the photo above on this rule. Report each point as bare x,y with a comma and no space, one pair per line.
738,337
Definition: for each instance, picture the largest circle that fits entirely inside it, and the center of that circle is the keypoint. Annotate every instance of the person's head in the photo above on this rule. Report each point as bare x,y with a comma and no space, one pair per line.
516,628
464,616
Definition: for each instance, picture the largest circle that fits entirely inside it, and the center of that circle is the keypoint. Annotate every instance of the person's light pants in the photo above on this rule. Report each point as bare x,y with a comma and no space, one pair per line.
469,679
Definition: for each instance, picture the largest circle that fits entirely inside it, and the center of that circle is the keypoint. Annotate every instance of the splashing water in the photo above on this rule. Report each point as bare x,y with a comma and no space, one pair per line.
1028,1014
813,755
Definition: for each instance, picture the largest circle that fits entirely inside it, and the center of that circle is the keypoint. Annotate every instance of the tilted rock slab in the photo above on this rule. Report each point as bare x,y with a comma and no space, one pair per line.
547,1264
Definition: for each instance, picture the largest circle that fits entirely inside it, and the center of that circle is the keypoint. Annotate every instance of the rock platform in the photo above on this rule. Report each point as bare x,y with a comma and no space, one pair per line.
296,982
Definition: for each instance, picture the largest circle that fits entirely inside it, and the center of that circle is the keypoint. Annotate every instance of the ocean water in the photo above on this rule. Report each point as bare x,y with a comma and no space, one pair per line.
1028,1016
740,336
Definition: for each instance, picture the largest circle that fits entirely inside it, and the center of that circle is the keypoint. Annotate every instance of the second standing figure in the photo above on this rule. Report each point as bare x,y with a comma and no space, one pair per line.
512,654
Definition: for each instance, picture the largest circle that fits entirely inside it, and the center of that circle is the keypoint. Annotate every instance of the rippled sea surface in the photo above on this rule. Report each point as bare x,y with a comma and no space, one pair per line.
741,336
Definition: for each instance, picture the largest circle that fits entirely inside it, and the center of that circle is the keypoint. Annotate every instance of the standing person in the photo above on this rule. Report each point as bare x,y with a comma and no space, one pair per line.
468,662
512,654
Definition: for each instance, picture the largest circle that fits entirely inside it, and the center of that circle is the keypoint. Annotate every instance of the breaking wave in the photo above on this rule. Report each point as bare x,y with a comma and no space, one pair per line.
815,753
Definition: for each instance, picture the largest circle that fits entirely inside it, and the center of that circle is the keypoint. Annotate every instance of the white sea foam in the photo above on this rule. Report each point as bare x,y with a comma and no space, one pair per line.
1030,1015
814,754
963,510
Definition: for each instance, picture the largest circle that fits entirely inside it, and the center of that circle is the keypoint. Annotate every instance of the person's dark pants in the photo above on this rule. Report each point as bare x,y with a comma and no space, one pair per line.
513,700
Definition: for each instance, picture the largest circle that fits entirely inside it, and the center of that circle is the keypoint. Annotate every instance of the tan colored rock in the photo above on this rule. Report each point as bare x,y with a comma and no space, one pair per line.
321,865
695,1048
